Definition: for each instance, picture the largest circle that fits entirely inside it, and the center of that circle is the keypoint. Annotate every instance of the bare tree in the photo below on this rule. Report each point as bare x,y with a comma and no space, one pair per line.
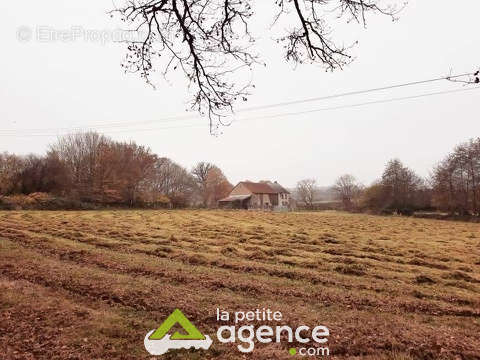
307,190
172,181
402,185
35,173
456,180
348,190
10,168
375,198
210,41
80,153
200,173
218,186
102,170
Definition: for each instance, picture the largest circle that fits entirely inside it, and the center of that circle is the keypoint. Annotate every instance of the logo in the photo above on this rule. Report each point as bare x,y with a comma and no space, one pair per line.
246,329
159,341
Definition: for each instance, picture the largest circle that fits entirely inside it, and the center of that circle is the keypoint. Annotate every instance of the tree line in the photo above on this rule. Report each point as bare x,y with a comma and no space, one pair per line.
452,187
92,168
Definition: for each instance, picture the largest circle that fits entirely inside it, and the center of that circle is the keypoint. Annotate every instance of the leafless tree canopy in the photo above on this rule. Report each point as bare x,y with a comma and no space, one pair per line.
10,167
401,184
92,169
211,42
307,189
456,180
169,182
399,190
200,173
348,190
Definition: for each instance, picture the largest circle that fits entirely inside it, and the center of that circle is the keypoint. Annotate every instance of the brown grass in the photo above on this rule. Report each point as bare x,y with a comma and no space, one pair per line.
89,285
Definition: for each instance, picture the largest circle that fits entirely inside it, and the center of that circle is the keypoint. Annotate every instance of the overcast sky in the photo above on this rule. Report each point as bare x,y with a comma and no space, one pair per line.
62,84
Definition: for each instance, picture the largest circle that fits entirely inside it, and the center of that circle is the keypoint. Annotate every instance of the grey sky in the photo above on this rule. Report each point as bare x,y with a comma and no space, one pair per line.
60,84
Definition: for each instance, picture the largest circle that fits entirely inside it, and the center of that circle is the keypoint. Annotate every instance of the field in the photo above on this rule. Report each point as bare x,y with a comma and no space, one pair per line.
89,285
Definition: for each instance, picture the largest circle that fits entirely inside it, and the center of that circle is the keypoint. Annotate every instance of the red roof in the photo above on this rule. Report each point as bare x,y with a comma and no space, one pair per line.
279,188
263,188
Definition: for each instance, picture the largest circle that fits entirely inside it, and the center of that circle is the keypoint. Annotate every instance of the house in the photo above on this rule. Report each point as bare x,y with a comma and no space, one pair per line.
264,195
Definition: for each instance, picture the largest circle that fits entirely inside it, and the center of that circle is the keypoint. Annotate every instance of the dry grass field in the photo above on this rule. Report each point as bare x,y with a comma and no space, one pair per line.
89,285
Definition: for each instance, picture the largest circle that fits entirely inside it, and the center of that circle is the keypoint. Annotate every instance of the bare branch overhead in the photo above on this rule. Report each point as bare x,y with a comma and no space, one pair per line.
211,43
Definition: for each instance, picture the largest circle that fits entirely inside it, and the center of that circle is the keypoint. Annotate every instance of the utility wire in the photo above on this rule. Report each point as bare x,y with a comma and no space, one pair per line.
359,92
240,121
363,104
255,108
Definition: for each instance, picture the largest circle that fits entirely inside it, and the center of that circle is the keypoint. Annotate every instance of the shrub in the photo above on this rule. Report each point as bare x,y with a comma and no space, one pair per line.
41,201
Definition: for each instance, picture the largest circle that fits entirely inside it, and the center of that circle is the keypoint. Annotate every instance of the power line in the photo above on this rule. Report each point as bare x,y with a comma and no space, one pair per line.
178,118
239,121
351,93
365,103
